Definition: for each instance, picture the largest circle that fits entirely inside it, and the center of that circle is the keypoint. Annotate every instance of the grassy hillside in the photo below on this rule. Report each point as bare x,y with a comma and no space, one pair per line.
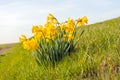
97,56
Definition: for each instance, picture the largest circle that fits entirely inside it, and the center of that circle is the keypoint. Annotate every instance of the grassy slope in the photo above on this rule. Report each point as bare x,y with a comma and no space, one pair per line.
5,45
97,57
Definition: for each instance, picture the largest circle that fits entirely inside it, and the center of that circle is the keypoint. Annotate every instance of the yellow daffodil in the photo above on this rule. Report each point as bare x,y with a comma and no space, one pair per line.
85,20
26,45
80,22
49,24
38,36
70,37
55,21
47,40
71,22
62,26
35,29
64,37
22,38
30,44
50,17
69,29
33,44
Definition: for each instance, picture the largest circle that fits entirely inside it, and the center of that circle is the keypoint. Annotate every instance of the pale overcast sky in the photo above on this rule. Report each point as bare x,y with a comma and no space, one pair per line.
18,16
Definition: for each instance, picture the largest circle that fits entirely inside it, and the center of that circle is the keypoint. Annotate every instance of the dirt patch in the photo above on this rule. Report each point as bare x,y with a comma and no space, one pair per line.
2,50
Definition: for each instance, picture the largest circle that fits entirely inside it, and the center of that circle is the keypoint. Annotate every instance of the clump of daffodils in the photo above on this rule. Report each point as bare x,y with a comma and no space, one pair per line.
54,40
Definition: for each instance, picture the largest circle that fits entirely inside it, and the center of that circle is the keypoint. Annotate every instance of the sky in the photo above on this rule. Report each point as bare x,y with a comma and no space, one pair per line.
18,16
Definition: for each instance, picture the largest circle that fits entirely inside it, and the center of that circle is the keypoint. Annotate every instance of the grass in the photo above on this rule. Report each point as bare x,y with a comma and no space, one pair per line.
5,45
97,57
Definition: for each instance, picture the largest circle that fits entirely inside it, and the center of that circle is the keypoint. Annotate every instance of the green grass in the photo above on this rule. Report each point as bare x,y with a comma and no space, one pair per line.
97,57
